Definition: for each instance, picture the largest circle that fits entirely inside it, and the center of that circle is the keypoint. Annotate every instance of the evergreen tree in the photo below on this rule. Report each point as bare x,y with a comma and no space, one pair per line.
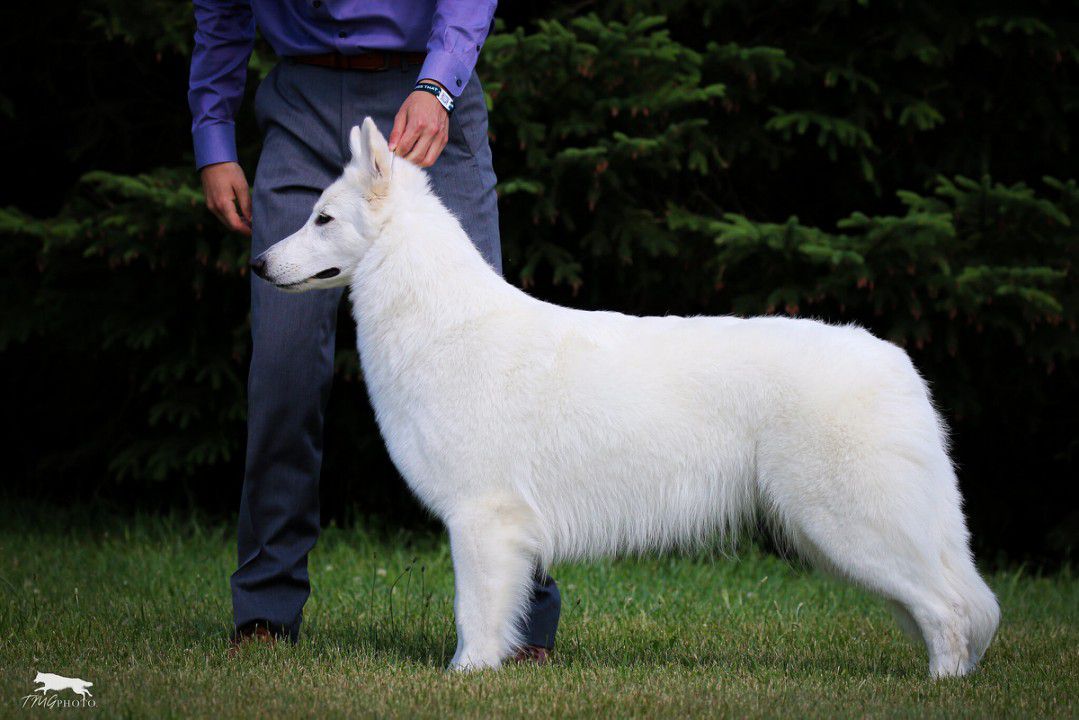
906,167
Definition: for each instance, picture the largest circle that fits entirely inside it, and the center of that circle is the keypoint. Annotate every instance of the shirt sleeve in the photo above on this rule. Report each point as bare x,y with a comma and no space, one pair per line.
224,38
458,31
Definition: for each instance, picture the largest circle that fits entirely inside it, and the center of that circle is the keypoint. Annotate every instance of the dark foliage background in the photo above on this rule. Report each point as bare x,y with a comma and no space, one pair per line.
907,166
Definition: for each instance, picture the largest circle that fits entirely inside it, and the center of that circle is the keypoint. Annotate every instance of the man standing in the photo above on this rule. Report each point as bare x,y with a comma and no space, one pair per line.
340,60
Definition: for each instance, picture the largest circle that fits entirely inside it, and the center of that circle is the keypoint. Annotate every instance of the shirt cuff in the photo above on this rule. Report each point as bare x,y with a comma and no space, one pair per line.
214,144
446,69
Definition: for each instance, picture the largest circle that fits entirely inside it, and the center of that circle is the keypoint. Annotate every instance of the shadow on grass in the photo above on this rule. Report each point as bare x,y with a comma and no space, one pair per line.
784,655
784,658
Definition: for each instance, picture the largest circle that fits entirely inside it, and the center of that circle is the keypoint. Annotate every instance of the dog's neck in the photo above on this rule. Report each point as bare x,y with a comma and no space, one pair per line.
422,275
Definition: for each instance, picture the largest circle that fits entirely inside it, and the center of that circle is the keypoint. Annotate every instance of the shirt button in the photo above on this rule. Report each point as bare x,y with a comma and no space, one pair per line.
458,82
342,34
317,3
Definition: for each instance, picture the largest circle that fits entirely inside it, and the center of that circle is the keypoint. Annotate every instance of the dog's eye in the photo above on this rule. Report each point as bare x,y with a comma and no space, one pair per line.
322,219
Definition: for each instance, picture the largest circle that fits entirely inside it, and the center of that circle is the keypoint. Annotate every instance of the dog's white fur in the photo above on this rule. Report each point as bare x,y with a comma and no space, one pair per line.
538,432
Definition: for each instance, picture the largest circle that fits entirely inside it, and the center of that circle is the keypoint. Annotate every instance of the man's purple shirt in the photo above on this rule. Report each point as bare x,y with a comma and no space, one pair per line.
451,32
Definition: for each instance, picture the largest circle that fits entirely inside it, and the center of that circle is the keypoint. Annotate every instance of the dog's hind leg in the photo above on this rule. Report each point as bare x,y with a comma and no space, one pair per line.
906,541
493,560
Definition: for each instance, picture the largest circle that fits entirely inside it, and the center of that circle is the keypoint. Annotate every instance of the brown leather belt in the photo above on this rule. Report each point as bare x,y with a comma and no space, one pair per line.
371,61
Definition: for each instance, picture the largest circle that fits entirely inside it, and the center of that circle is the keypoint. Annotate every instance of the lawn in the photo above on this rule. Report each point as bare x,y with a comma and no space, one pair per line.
140,607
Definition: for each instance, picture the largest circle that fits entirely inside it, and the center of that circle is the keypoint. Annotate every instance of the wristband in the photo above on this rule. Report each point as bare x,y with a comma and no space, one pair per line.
443,97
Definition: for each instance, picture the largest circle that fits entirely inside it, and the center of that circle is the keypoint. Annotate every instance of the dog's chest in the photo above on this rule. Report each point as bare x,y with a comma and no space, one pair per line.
426,409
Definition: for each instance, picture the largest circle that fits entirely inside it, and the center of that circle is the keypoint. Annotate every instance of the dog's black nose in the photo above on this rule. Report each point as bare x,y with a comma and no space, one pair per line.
258,266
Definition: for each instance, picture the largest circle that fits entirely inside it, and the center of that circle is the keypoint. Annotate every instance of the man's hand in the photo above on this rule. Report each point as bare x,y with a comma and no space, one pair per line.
225,187
421,128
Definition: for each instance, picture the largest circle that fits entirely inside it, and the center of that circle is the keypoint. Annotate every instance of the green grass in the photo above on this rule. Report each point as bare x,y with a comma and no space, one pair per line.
141,608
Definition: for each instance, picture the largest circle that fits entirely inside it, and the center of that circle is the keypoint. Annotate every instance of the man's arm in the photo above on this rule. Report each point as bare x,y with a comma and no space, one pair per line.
458,30
224,38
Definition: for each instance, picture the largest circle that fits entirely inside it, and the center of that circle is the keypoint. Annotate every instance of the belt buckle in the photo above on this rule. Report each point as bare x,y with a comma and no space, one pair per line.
385,62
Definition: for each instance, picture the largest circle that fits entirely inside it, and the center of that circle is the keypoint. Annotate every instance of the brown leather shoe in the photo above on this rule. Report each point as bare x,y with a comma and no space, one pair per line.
534,654
248,635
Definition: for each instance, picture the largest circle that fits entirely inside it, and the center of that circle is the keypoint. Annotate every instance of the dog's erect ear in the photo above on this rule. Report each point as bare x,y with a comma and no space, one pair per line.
376,149
355,143
370,152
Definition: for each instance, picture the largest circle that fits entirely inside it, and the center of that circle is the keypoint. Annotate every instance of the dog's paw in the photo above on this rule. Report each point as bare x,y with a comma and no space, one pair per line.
471,663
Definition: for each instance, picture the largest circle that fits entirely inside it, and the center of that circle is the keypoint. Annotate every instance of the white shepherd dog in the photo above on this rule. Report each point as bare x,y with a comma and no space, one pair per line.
538,433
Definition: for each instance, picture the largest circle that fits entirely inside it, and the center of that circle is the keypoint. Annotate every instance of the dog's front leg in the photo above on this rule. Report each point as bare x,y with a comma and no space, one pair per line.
492,566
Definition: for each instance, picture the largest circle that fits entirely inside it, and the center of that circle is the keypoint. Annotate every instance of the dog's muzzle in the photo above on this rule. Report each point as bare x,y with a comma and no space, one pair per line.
258,266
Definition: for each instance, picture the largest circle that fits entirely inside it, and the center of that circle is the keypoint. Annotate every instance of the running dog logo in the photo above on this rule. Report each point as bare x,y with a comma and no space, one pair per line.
50,682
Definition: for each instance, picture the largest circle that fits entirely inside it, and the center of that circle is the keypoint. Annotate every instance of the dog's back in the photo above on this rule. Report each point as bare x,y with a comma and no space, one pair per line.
626,434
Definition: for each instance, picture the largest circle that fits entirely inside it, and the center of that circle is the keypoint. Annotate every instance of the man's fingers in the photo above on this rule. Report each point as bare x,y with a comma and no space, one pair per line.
243,195
407,143
419,150
228,196
224,209
436,148
409,137
398,129
235,222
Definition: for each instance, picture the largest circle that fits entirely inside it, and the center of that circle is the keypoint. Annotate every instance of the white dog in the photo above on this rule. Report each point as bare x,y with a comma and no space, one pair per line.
52,682
537,432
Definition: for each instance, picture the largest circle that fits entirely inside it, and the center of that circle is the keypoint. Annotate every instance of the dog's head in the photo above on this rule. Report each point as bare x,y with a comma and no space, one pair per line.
345,221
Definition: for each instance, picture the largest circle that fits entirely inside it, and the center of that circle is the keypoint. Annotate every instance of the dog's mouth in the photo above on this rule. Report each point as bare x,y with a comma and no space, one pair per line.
324,275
